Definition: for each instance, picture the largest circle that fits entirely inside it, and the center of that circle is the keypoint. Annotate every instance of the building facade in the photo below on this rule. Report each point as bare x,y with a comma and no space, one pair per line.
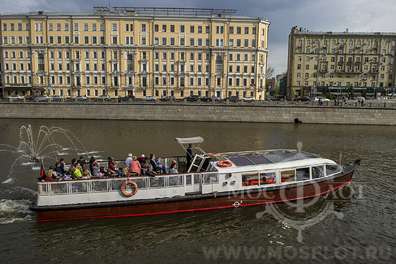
340,63
138,52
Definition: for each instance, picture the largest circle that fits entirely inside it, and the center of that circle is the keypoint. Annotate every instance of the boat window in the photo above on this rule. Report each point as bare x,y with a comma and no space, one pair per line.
157,182
197,178
267,178
317,172
188,180
59,188
79,187
331,169
176,181
99,186
250,179
302,174
288,176
211,178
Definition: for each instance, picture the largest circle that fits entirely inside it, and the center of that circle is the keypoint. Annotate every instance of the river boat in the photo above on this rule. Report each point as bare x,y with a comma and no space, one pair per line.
212,181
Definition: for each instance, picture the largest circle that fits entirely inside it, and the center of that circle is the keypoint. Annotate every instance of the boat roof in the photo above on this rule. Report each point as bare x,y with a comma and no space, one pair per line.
191,140
269,159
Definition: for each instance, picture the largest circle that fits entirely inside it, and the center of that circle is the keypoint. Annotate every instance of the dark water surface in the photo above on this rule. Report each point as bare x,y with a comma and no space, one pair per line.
359,229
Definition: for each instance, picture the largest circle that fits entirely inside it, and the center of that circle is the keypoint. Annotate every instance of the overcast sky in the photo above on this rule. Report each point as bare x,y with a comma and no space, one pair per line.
318,15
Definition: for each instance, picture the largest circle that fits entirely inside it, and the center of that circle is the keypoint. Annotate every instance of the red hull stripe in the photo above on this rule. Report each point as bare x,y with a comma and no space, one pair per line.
199,209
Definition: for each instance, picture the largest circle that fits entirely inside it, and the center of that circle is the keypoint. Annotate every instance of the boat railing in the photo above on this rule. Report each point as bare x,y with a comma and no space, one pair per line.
114,184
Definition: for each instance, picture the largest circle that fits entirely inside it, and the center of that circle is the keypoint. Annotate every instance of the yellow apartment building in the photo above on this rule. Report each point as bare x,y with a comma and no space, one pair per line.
340,63
137,52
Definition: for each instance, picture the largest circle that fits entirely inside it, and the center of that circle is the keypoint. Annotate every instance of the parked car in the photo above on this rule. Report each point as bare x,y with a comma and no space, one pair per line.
217,99
41,99
322,99
275,98
103,98
18,98
126,98
302,99
57,99
233,99
192,98
150,99
167,98
248,99
81,99
206,99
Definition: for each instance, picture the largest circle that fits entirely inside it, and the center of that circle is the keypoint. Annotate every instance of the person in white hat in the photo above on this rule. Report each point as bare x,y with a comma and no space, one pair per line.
128,160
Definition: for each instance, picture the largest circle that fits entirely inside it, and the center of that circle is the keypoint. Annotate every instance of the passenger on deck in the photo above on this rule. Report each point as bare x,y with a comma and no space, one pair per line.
125,172
102,171
161,166
51,175
120,172
111,167
86,174
91,162
154,164
96,170
128,160
189,155
173,167
147,168
77,172
142,159
60,167
135,168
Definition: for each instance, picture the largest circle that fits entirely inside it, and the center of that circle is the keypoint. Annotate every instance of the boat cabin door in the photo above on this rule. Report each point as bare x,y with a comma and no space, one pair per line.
193,183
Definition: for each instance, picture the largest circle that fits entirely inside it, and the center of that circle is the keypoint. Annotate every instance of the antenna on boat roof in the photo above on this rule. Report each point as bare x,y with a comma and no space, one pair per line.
299,146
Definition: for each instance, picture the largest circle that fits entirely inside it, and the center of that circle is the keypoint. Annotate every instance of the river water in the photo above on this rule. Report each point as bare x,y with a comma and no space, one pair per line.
359,227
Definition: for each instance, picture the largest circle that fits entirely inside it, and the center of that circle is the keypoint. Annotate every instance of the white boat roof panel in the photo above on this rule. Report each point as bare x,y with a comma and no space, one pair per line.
191,140
267,157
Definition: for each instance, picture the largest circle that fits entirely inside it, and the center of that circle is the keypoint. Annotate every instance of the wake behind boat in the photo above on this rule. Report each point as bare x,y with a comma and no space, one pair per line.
203,182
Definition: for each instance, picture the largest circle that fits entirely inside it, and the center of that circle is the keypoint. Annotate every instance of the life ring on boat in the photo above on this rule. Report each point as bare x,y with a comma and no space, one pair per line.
224,163
132,185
